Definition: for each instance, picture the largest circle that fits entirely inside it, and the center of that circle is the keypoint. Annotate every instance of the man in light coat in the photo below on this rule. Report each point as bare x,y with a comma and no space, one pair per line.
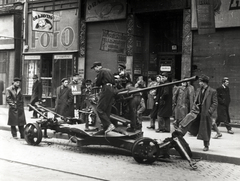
16,115
199,121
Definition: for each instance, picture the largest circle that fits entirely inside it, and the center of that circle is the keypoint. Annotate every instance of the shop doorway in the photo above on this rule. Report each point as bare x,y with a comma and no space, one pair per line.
162,33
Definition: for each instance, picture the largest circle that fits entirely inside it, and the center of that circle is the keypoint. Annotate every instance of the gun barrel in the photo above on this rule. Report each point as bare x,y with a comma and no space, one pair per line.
46,109
35,109
158,86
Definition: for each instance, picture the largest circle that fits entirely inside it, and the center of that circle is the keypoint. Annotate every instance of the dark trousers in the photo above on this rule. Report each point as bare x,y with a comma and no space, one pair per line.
14,131
164,123
224,117
104,105
133,106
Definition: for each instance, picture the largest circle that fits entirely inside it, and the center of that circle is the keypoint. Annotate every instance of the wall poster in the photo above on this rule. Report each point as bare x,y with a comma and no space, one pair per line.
113,41
227,13
105,10
42,21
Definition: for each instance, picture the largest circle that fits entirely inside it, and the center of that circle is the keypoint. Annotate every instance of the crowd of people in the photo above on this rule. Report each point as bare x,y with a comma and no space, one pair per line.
191,110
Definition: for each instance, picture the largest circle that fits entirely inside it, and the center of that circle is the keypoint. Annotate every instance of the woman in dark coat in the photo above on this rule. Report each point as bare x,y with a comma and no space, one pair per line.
64,102
16,115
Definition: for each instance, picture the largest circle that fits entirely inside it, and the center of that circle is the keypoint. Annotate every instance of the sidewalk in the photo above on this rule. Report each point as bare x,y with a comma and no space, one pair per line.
225,149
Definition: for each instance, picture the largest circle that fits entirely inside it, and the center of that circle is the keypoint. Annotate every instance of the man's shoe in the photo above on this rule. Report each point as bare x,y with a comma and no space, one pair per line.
151,127
110,128
158,130
230,131
130,129
217,136
205,148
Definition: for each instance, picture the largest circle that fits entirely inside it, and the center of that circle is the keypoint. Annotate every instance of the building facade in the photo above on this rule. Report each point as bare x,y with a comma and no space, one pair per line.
150,37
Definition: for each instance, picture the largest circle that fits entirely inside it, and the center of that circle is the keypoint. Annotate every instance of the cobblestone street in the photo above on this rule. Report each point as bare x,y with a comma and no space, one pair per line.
62,160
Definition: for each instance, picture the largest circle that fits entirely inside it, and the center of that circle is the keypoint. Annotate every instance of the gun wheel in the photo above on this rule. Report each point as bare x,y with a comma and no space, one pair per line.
145,150
33,134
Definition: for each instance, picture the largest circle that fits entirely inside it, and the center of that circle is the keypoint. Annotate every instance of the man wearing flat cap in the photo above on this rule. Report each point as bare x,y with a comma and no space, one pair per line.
64,100
122,77
199,121
36,94
16,116
224,99
105,79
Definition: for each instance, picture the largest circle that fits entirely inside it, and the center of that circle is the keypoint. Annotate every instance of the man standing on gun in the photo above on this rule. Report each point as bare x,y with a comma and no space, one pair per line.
105,79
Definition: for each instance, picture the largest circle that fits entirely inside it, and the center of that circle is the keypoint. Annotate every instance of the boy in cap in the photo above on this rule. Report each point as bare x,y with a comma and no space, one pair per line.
64,100
16,116
199,120
36,93
105,79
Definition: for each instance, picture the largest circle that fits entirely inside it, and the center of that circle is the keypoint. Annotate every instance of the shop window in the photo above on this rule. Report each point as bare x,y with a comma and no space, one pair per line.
3,61
63,68
46,75
31,67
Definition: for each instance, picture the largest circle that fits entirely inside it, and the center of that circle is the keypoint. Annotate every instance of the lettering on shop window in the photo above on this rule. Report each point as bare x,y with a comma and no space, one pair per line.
64,38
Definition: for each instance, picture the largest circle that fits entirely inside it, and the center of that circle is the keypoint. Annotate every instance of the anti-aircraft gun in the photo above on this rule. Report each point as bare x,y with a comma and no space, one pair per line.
143,149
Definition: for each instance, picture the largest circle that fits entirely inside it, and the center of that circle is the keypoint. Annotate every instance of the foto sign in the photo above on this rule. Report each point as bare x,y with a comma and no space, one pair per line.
63,38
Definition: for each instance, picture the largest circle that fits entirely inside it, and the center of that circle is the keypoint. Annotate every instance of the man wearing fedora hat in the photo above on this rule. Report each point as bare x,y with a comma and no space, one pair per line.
199,121
36,94
16,116
105,80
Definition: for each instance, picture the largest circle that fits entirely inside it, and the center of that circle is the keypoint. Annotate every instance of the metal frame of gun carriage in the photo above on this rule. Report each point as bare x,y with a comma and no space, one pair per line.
143,149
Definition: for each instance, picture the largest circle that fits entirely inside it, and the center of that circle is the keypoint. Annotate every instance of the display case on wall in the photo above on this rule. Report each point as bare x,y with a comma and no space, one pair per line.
31,67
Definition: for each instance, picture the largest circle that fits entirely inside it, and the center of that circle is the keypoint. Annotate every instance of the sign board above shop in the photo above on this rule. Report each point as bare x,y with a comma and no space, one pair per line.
102,10
64,35
6,32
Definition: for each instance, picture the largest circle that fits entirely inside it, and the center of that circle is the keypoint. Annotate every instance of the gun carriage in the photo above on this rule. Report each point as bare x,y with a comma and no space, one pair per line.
82,132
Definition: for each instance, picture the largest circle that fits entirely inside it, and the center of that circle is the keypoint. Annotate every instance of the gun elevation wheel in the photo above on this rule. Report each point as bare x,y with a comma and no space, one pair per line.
33,134
145,150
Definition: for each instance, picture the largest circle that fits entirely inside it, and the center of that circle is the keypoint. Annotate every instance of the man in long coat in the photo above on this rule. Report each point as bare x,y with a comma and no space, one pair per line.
106,80
64,101
36,93
224,99
164,101
16,115
199,120
181,101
